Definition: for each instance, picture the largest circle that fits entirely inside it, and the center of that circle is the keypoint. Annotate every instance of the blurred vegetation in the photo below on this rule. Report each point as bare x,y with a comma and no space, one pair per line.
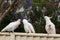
36,17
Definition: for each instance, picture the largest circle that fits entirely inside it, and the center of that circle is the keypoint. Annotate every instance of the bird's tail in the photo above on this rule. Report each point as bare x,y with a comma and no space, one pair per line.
33,31
3,30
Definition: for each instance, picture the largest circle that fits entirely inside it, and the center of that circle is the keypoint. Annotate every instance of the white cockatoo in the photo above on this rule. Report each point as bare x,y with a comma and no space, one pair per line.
28,26
12,26
50,27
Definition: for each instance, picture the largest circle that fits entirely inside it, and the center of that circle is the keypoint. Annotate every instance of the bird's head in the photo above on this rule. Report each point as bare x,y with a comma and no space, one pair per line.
19,20
25,21
47,18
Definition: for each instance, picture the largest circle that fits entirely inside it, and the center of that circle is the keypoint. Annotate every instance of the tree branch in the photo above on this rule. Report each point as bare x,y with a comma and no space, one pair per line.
6,11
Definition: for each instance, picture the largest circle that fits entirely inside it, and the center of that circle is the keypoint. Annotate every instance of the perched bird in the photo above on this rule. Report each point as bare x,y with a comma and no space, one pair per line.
28,26
50,27
12,26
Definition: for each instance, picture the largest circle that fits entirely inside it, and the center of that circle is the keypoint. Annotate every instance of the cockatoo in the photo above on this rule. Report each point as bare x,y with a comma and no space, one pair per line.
50,27
28,26
12,26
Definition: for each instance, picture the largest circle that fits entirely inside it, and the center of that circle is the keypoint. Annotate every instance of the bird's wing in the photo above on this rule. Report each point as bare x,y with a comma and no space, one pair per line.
51,26
8,26
31,27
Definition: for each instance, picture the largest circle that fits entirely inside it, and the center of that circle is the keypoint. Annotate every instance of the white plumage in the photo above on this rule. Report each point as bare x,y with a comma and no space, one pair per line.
28,27
50,27
12,26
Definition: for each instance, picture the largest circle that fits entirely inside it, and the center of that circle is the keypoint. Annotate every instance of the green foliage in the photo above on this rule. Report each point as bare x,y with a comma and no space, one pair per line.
39,27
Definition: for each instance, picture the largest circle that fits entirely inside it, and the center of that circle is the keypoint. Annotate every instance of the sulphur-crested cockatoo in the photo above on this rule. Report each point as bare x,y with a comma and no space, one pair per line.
28,26
50,27
12,26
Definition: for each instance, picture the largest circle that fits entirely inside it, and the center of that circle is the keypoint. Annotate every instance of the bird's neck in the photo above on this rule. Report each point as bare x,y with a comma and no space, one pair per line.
25,22
18,22
48,21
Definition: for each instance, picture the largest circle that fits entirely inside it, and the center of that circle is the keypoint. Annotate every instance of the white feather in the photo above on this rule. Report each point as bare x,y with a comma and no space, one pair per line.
50,27
12,26
28,26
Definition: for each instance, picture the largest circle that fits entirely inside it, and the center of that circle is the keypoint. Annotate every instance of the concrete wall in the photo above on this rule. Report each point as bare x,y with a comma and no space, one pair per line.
27,36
